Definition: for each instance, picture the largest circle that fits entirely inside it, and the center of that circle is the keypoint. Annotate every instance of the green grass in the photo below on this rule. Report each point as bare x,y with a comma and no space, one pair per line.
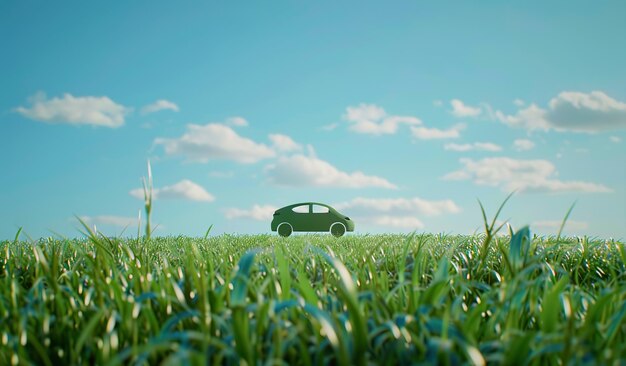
313,300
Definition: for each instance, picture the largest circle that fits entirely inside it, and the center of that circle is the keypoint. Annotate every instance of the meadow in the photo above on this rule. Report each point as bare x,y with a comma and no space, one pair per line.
313,300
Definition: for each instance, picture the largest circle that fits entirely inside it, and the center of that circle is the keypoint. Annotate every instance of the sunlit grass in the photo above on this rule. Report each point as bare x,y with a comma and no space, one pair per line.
313,299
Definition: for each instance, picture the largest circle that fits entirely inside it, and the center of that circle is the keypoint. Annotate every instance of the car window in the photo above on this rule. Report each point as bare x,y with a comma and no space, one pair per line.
301,209
320,209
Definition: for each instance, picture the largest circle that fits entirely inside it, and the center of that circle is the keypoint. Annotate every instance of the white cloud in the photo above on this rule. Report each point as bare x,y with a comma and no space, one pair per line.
395,212
372,119
94,111
488,112
299,170
615,139
531,118
518,102
236,121
330,127
521,175
284,143
159,105
523,144
478,146
214,141
460,109
257,212
185,190
311,151
418,206
437,103
424,133
105,220
571,111
586,112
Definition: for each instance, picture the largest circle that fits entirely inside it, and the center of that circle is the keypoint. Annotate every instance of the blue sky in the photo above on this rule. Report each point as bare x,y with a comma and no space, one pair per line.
401,114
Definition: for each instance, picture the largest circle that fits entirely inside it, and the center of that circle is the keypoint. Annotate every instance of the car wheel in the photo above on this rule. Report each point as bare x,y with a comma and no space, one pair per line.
337,229
284,229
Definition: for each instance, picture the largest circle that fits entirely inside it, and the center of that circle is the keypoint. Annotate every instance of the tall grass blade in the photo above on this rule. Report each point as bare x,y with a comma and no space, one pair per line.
349,291
147,194
283,272
17,235
550,306
519,248
558,236
241,323
206,235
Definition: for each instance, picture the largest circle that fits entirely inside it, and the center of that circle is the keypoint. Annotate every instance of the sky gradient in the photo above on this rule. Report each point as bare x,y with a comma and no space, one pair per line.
401,115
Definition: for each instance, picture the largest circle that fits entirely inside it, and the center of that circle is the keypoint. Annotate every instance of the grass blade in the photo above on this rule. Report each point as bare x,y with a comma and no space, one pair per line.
558,236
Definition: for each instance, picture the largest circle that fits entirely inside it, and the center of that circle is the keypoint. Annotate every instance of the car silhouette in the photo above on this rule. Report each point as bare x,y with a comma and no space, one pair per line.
310,216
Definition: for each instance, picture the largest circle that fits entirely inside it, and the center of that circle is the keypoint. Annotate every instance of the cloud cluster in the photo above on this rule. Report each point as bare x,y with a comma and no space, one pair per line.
214,141
402,213
571,111
329,127
531,118
236,121
284,143
159,105
183,190
383,212
257,212
460,109
372,119
94,111
523,145
309,171
415,205
568,111
425,133
398,222
521,175
586,112
476,146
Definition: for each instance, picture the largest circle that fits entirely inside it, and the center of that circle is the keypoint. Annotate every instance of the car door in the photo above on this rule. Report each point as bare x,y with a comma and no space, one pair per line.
300,217
321,218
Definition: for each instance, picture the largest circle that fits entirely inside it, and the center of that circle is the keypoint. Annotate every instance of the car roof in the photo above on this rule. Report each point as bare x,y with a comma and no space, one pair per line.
307,203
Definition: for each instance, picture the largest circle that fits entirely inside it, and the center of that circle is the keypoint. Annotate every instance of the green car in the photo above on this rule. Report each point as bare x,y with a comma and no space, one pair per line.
310,216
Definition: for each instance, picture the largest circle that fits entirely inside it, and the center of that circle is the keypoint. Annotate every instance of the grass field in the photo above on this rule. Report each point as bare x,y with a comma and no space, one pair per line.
313,300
